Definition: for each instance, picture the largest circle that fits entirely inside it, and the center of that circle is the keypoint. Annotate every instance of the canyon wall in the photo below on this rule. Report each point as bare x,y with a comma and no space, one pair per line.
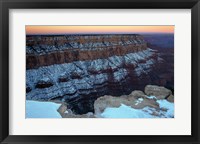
49,50
80,68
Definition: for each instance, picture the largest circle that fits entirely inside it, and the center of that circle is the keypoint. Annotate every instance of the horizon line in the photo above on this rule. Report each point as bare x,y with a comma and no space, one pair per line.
99,33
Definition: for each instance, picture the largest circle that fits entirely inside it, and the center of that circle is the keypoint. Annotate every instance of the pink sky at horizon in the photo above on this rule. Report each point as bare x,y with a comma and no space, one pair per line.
33,29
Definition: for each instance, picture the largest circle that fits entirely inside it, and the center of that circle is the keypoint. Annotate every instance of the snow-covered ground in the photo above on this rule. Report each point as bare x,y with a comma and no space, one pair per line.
36,109
124,111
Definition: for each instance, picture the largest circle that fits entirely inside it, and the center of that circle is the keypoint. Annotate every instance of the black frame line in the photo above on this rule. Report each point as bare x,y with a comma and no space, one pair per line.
5,5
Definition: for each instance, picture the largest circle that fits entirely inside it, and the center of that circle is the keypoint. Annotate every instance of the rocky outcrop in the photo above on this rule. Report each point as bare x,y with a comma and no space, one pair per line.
137,100
67,113
159,92
170,98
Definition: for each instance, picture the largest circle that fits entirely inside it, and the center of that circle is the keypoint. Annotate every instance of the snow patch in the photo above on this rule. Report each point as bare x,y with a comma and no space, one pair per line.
139,101
166,111
36,109
167,105
66,112
151,97
124,111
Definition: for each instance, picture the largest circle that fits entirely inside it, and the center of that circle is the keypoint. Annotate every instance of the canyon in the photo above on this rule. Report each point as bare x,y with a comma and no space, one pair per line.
78,69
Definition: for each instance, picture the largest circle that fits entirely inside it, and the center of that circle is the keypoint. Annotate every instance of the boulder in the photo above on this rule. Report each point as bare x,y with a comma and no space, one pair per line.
62,109
157,91
170,98
107,101
137,93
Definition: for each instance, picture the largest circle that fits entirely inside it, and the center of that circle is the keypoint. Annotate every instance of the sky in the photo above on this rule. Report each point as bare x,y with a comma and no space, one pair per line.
33,29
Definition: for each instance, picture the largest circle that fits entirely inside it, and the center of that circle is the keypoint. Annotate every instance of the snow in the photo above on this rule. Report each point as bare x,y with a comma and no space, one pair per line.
160,59
167,105
36,109
124,112
66,112
151,97
45,79
166,111
139,101
120,74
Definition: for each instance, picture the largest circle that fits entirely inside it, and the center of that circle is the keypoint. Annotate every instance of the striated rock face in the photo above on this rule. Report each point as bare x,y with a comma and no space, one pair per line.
48,50
78,69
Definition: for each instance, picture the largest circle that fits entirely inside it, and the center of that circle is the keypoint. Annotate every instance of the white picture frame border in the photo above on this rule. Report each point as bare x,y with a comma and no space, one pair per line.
180,125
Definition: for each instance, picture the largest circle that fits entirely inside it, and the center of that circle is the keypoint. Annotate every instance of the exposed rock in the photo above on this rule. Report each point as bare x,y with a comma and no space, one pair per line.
170,98
62,109
71,115
159,92
106,101
136,99
72,79
44,83
67,113
63,78
137,93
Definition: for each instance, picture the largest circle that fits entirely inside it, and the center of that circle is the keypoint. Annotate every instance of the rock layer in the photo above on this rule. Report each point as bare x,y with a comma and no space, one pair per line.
48,50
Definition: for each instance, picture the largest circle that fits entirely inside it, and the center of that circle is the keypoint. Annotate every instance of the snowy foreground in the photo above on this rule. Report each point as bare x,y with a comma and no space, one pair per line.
35,109
128,112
